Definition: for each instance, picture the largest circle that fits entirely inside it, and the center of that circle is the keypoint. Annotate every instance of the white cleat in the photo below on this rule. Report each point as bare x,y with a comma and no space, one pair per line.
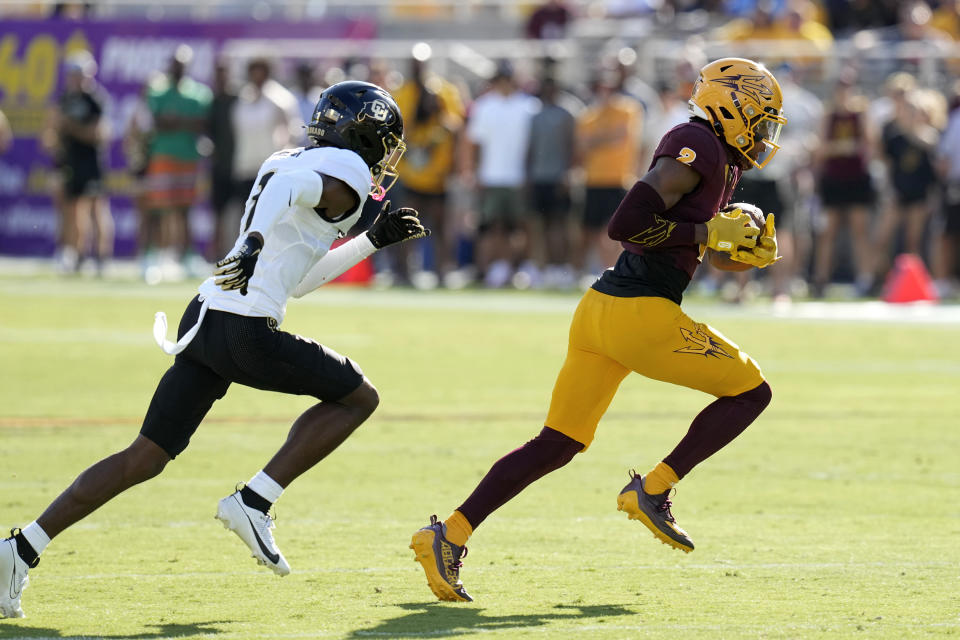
253,527
13,579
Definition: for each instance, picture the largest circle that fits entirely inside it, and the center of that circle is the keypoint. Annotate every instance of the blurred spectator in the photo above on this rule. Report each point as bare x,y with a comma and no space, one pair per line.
266,118
671,110
800,22
852,15
77,136
895,88
674,92
71,10
433,113
914,23
498,131
744,8
799,141
565,97
6,134
629,8
549,20
945,270
846,188
908,144
138,128
29,9
794,22
220,131
380,72
608,138
550,159
946,18
759,23
180,106
307,92
932,106
633,86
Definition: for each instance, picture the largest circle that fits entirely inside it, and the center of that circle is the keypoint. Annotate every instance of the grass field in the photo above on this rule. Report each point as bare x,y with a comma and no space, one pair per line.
836,515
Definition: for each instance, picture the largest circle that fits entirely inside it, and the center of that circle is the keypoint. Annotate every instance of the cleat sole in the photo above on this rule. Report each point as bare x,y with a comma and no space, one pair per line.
422,545
627,502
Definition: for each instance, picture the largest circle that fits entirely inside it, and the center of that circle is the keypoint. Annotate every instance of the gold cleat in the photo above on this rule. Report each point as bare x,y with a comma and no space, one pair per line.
440,560
653,512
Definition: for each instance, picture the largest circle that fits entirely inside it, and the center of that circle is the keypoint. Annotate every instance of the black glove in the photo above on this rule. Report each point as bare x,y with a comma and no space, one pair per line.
235,271
392,227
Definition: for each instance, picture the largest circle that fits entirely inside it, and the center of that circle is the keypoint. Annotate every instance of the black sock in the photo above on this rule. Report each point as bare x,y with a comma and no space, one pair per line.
26,551
254,500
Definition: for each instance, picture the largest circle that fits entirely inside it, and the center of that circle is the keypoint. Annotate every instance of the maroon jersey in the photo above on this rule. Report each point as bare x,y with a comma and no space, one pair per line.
845,143
661,260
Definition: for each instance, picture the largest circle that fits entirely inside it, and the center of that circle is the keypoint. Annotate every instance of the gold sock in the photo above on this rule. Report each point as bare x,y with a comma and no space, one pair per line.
661,478
458,529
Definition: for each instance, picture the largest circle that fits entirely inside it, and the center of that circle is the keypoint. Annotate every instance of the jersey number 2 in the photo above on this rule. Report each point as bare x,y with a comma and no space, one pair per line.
687,155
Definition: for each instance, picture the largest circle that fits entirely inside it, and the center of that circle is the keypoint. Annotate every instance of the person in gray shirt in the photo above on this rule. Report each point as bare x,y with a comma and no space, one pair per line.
549,159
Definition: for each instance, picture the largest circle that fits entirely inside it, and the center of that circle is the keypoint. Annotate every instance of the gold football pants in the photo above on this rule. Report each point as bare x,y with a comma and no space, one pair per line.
611,336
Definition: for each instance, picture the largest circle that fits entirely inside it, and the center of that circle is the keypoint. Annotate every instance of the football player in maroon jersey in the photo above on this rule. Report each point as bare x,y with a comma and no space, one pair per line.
631,320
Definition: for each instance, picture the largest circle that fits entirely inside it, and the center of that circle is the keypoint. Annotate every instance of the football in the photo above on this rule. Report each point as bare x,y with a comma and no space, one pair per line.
752,210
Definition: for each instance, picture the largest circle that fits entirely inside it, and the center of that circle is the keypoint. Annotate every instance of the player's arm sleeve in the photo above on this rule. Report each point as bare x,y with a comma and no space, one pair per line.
334,263
640,219
283,190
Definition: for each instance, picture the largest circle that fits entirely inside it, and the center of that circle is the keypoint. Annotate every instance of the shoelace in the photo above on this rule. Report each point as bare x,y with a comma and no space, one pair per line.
665,507
267,526
457,563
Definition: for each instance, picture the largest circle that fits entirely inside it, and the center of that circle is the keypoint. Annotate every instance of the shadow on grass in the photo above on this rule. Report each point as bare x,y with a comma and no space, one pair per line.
160,631
438,620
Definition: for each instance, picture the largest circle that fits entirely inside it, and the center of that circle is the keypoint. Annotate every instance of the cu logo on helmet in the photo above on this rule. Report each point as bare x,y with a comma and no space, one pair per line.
379,110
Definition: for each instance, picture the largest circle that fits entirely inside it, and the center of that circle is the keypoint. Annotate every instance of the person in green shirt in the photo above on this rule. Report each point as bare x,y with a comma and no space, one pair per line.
179,106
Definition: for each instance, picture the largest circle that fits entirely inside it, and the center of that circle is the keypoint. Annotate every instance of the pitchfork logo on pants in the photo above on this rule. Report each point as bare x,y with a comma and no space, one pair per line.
701,343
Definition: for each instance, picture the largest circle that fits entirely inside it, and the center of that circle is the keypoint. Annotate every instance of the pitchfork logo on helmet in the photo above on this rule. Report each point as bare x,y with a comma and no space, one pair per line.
365,119
753,86
743,103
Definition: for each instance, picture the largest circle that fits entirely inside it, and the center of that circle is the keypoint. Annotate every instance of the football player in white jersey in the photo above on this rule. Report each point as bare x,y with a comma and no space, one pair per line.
303,200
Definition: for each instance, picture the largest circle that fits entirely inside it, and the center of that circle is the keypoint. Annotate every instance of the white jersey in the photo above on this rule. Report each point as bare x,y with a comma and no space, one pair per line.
297,239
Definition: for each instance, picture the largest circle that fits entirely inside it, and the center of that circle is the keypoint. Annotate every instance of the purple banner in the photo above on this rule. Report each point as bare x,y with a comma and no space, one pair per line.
128,54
